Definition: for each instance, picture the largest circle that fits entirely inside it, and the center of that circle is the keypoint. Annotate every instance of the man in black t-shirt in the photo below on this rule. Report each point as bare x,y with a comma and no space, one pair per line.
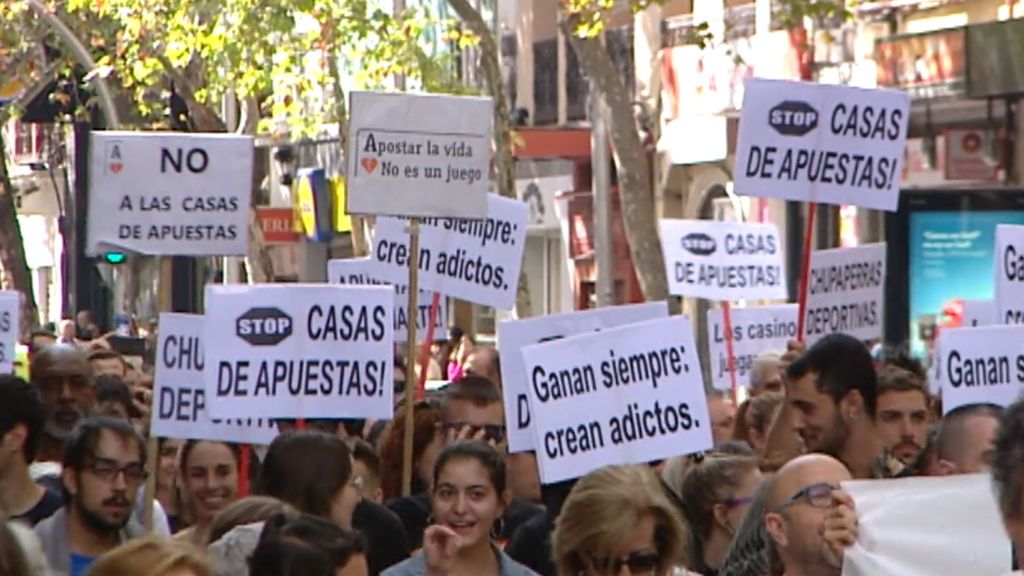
21,424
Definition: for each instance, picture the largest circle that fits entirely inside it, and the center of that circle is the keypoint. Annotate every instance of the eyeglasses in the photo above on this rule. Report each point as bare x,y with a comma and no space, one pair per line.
817,495
638,563
108,470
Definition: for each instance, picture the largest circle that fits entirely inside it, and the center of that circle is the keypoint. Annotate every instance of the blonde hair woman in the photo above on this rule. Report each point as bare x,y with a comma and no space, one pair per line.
619,520
152,556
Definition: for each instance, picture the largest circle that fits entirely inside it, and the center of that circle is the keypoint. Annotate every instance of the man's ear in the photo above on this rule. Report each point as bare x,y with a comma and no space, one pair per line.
14,440
69,478
851,407
775,525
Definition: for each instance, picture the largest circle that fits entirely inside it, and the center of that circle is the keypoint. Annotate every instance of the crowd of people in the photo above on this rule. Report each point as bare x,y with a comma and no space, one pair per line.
327,498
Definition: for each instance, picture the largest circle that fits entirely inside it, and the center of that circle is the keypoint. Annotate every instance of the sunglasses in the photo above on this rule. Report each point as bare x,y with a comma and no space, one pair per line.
638,563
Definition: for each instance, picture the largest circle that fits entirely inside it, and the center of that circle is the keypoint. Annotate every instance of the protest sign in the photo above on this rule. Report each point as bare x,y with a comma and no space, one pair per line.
624,395
754,330
723,260
161,193
846,292
475,260
513,335
357,272
419,155
821,143
299,351
1009,274
10,317
941,526
980,365
179,397
979,313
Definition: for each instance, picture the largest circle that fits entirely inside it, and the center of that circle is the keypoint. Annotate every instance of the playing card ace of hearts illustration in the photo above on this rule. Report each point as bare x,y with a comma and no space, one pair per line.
115,158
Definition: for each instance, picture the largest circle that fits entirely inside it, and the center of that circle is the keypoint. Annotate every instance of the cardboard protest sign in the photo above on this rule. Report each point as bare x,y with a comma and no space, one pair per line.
357,272
1009,274
515,334
164,193
979,313
755,330
299,351
419,155
10,318
939,526
723,260
980,365
821,143
475,260
179,397
619,396
846,292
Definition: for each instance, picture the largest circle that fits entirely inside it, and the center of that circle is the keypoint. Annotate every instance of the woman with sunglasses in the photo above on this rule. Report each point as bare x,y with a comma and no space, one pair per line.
468,497
714,490
619,520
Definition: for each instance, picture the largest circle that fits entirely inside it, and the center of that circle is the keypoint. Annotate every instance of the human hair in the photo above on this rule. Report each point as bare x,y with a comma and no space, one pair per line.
426,427
189,446
763,359
248,510
708,481
306,469
152,556
604,507
1008,461
111,388
949,442
80,446
761,411
892,378
476,390
307,545
107,354
60,360
900,357
363,452
842,365
477,450
21,405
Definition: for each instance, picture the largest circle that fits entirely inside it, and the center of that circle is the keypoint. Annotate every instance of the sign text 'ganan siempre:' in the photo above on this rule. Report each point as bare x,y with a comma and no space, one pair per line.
169,194
179,398
300,351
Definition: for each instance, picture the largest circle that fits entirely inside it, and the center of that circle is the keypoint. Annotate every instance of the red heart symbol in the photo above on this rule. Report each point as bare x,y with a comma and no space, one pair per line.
116,167
369,164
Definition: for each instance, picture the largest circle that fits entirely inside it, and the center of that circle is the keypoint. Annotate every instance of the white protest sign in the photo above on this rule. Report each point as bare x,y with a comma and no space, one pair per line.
475,260
179,398
723,260
822,143
979,313
1009,274
939,526
10,318
162,193
755,330
419,155
357,271
515,334
846,293
976,365
299,351
624,395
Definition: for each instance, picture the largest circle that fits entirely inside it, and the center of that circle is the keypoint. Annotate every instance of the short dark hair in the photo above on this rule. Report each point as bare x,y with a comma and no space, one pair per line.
1008,460
474,389
363,452
306,545
21,404
895,379
112,388
107,354
843,364
949,441
306,469
477,450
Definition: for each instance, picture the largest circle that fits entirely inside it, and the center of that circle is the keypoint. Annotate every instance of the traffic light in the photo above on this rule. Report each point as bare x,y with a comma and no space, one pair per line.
114,257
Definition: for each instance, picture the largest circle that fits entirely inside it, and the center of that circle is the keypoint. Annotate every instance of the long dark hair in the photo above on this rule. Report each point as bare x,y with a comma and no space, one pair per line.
306,469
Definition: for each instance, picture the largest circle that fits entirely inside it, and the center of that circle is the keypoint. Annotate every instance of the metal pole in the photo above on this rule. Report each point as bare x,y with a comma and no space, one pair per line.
600,163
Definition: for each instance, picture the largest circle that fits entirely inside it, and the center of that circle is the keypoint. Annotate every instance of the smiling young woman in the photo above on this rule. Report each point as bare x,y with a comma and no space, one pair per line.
209,481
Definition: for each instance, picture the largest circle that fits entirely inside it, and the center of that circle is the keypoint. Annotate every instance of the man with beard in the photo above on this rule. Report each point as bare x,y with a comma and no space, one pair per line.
103,469
64,378
903,415
832,390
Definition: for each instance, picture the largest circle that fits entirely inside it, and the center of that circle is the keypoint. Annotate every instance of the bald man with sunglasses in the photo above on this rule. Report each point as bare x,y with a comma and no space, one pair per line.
809,519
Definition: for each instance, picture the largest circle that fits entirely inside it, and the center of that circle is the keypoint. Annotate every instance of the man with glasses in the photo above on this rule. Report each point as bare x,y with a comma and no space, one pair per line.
809,520
103,469
64,378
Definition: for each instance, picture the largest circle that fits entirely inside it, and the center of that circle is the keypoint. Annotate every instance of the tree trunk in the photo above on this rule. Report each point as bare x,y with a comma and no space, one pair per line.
12,249
636,194
503,159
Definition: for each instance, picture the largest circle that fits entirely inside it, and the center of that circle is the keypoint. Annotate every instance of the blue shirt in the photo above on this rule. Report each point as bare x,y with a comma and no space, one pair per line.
80,564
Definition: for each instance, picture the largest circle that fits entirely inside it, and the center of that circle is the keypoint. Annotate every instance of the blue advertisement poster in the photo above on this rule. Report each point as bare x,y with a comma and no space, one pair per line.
951,260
